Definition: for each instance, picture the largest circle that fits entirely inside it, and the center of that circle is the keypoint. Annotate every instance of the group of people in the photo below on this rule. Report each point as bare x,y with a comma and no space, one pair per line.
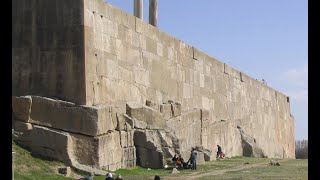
179,163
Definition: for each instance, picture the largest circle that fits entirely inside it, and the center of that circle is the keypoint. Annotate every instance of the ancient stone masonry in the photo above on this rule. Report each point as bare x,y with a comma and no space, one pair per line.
95,86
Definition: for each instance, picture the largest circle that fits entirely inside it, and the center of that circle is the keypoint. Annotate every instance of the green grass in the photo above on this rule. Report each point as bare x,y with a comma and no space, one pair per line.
291,169
33,168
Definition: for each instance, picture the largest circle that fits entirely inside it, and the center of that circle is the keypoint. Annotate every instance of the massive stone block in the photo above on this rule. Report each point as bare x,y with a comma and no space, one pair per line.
143,113
66,116
21,107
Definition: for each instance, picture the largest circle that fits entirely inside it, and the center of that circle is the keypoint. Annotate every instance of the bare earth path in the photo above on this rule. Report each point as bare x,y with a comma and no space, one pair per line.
199,174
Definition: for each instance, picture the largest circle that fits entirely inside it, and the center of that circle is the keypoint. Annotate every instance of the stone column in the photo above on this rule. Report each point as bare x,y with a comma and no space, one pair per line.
138,9
153,12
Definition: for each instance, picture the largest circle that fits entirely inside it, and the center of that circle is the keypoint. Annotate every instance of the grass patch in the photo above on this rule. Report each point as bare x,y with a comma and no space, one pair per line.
26,166
30,167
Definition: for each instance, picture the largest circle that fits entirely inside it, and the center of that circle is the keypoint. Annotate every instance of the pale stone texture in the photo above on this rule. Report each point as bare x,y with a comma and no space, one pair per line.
21,107
121,75
66,116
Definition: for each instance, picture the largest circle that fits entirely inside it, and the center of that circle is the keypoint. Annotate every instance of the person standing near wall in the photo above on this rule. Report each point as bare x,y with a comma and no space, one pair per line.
193,159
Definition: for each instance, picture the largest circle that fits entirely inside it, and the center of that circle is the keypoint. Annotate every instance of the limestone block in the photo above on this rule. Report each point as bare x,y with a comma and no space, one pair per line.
47,142
128,157
91,121
148,139
168,139
206,152
200,158
128,20
21,107
126,138
122,124
110,151
166,110
140,124
151,45
20,126
153,105
149,158
176,109
143,113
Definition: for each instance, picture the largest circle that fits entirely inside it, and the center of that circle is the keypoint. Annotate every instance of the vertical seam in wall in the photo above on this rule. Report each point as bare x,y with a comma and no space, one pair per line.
84,53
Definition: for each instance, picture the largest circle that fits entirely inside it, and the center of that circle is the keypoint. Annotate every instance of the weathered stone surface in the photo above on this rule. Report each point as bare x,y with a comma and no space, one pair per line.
166,110
157,144
140,112
206,152
128,157
21,107
22,127
250,148
124,123
126,138
152,105
47,142
140,124
127,60
66,116
149,158
200,158
176,108
79,150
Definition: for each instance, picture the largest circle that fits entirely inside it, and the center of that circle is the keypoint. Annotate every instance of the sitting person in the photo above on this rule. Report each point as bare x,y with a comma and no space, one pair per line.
174,160
180,162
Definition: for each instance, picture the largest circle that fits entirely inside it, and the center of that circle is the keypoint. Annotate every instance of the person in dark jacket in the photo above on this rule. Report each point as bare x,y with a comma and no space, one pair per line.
193,159
219,152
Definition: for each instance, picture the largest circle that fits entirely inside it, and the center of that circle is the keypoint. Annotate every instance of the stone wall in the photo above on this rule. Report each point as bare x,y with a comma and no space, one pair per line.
100,77
47,49
129,60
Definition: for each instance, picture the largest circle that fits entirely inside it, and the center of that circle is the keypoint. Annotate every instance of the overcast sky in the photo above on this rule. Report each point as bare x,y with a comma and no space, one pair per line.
264,39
